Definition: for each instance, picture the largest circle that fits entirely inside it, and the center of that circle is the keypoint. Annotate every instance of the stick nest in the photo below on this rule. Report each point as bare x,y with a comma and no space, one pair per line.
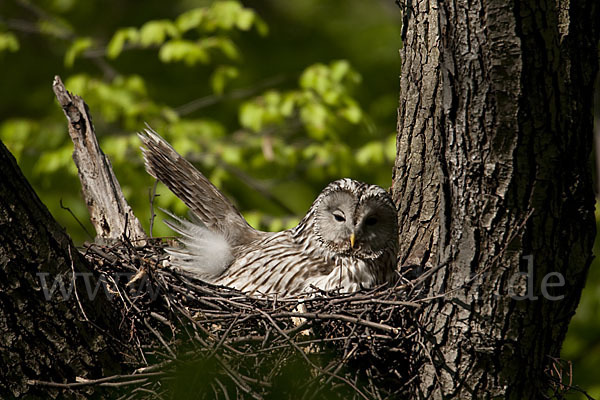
197,340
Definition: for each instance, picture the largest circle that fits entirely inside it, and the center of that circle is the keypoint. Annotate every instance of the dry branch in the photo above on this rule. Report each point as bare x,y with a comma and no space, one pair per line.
357,345
110,214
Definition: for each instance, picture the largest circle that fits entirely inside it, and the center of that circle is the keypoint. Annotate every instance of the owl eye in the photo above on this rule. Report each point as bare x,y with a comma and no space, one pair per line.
339,216
371,221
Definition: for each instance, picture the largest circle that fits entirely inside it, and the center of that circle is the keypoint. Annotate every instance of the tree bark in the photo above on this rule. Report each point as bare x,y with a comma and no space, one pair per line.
56,338
493,183
110,214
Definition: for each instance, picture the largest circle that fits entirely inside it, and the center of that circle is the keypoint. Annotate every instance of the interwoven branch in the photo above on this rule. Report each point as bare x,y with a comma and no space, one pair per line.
325,344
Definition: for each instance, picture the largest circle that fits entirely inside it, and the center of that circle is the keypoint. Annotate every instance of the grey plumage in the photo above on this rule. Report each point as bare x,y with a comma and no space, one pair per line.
347,240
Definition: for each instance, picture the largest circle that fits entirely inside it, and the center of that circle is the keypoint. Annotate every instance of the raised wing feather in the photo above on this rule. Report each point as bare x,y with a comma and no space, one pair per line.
195,190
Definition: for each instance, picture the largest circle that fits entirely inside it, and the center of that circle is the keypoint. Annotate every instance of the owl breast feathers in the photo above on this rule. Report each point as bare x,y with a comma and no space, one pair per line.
347,240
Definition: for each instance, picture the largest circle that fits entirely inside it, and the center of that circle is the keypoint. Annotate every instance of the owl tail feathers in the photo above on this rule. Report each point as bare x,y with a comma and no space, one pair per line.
205,254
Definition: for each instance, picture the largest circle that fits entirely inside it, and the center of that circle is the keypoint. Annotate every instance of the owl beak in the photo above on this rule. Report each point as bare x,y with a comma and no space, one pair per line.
352,239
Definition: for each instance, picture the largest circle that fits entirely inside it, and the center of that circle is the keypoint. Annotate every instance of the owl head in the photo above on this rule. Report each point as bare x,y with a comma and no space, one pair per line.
352,218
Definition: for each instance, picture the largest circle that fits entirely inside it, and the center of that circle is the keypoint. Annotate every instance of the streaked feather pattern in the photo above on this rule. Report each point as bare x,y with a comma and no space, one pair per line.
347,240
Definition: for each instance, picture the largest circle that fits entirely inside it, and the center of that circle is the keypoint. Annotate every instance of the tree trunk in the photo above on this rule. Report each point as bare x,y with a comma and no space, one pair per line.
493,183
47,335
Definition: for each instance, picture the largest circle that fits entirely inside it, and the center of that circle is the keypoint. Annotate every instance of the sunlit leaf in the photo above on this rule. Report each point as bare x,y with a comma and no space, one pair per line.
190,19
314,115
222,75
371,154
52,161
245,19
77,48
251,116
119,39
390,147
156,32
56,27
224,14
16,133
231,155
352,112
8,42
198,129
261,26
253,218
222,43
288,104
339,69
183,50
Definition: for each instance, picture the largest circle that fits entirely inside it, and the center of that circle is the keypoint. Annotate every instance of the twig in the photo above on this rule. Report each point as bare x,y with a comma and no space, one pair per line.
131,379
152,195
210,100
76,219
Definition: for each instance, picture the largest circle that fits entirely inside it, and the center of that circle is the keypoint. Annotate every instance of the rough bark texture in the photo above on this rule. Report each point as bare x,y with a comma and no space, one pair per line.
110,214
494,139
45,339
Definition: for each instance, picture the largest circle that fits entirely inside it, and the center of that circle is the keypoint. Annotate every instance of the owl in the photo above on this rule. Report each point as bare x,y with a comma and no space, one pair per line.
347,240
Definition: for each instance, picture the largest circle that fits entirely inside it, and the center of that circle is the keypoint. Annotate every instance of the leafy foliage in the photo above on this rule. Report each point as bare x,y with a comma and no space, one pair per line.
269,127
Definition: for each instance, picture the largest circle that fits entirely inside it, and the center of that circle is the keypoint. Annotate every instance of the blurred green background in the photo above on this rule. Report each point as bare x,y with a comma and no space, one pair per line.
271,99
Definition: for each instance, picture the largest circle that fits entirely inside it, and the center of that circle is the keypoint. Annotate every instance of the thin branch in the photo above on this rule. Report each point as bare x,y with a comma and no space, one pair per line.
76,219
237,94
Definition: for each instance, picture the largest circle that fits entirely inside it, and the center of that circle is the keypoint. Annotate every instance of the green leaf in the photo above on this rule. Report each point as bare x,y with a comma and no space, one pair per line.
314,116
57,27
226,45
272,100
198,129
221,76
339,69
390,147
52,161
276,225
288,104
253,218
156,32
183,50
371,154
261,26
352,112
231,155
251,116
190,19
245,19
78,84
311,75
8,42
122,36
223,15
116,147
135,84
77,48
16,134
185,145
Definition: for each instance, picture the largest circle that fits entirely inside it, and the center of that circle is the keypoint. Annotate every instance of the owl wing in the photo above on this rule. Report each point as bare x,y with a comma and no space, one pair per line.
279,265
274,265
206,201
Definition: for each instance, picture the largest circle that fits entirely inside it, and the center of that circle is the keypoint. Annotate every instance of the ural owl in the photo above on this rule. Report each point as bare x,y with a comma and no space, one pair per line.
347,240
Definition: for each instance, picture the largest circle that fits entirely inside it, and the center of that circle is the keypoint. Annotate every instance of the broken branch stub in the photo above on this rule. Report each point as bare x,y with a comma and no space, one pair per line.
110,213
